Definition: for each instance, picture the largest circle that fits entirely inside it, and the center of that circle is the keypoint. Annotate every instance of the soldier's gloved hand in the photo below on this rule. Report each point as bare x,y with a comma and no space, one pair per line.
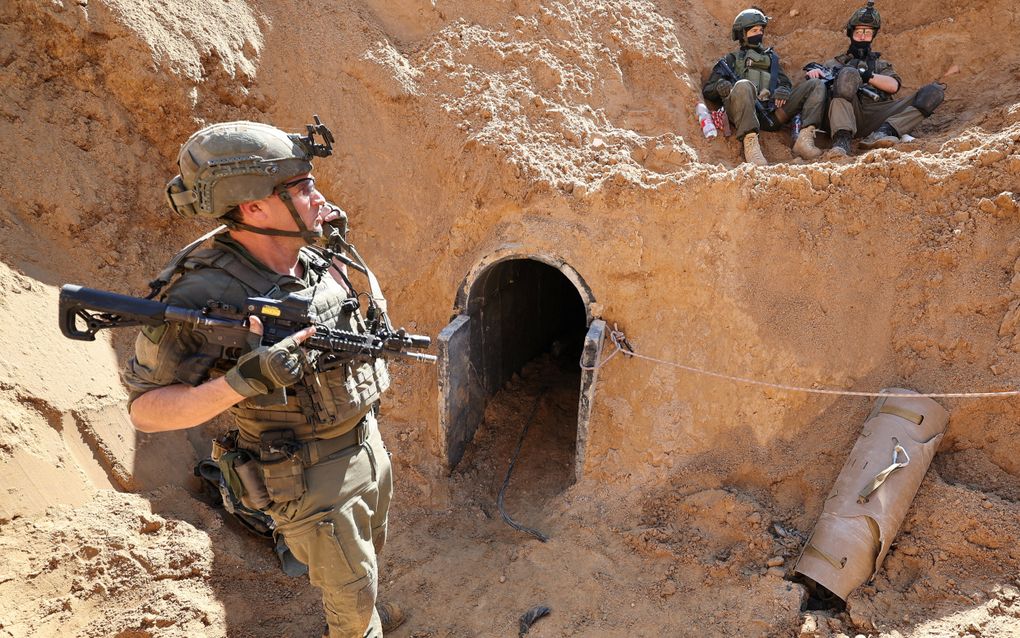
723,88
866,73
268,368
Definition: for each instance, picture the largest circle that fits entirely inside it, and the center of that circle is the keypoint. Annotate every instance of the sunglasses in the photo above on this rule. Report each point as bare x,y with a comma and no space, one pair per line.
305,186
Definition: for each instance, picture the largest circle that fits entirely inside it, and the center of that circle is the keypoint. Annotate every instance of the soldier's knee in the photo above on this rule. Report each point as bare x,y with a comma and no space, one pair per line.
848,80
817,86
744,87
928,98
743,92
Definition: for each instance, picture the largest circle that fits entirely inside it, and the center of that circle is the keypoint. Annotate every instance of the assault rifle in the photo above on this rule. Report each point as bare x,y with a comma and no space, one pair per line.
86,311
829,76
765,110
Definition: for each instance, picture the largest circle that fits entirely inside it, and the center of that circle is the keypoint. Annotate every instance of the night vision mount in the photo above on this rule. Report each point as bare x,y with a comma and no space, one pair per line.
308,141
868,17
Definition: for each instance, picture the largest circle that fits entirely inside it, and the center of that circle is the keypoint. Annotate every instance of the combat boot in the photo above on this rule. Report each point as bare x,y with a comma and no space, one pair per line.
884,137
752,150
390,615
805,145
840,144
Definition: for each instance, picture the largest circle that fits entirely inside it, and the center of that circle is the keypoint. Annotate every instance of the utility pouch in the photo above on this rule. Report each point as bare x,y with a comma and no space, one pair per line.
284,479
226,462
256,495
223,444
277,444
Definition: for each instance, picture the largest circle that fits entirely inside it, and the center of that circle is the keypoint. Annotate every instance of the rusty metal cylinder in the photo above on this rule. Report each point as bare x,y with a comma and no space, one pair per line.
873,492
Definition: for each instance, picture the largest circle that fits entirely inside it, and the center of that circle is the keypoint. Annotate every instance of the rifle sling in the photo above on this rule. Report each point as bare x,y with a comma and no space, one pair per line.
174,265
773,74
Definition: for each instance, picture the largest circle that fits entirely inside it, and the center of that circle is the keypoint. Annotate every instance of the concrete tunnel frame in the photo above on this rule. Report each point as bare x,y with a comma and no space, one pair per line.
462,392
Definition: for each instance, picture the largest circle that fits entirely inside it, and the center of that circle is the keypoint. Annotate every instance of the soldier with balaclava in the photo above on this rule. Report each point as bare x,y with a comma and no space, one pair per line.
873,114
758,95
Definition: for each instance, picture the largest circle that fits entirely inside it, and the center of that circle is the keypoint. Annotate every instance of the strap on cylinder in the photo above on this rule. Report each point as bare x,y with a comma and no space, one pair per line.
880,478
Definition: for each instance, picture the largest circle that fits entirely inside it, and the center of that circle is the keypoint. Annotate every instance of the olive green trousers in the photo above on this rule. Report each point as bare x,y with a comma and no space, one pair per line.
861,117
338,527
807,100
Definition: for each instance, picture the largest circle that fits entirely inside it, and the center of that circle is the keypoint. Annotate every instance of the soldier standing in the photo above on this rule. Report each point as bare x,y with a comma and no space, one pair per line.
758,95
307,448
883,120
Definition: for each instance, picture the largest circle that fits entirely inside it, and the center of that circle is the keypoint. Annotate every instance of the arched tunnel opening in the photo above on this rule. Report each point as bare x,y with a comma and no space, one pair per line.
509,368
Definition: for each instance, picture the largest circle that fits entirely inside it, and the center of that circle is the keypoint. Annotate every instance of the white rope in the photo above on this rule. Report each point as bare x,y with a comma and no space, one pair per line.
622,345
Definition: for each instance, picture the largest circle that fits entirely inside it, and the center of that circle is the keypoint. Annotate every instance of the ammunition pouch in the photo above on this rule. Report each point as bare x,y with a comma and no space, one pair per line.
241,475
928,98
274,471
284,479
871,495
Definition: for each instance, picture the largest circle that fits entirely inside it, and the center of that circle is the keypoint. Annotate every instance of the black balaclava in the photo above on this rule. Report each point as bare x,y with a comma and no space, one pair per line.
755,40
859,50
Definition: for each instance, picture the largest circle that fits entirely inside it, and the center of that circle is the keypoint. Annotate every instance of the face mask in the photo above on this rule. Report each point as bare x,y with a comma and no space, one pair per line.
859,50
755,40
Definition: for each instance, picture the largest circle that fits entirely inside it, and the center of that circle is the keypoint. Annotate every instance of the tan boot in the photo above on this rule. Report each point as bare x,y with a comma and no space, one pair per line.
390,615
805,144
752,150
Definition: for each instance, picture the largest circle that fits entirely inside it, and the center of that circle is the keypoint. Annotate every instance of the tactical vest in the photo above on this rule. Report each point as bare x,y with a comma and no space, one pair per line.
875,64
754,65
322,405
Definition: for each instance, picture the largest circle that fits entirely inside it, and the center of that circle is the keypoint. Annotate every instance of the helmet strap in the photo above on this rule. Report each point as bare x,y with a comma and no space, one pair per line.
310,236
234,225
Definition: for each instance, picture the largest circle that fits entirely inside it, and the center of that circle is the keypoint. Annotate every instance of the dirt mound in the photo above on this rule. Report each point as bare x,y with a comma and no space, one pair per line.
557,131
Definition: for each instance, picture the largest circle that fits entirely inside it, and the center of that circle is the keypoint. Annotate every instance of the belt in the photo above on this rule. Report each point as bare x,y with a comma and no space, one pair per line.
312,451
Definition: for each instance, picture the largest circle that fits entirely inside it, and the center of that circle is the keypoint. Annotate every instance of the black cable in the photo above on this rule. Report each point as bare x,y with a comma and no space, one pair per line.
506,481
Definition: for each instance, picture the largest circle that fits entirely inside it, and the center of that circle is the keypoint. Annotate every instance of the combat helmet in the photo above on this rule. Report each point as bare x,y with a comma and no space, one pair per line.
226,164
747,19
866,17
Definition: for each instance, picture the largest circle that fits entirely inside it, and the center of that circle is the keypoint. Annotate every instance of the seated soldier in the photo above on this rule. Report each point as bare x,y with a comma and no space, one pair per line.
874,113
758,95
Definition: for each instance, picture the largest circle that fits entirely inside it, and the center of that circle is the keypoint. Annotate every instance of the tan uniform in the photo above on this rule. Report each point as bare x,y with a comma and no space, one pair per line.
331,491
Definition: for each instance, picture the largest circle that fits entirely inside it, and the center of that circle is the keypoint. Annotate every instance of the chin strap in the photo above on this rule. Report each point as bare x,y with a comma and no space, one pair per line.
310,236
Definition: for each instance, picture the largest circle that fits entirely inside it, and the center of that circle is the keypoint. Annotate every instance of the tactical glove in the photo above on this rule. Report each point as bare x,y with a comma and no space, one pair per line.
866,74
723,87
266,369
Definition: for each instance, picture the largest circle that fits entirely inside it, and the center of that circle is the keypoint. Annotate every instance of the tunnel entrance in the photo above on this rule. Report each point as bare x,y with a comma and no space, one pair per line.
510,359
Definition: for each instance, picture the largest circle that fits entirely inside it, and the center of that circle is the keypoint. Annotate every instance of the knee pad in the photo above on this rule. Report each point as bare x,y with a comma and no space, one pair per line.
848,80
928,98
